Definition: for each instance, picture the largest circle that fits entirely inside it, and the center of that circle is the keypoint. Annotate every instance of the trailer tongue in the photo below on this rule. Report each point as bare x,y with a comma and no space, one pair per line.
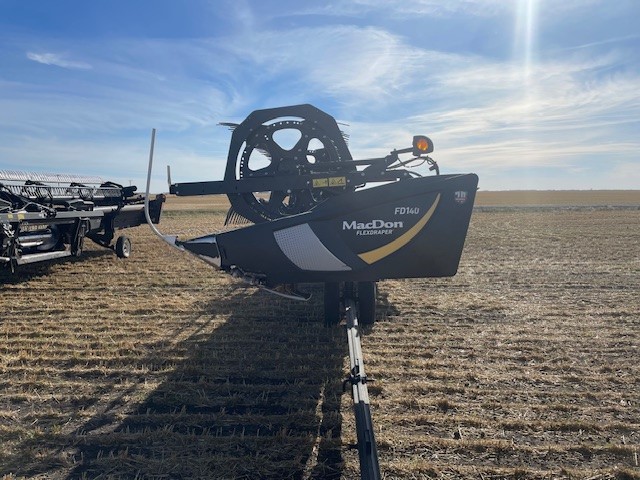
314,222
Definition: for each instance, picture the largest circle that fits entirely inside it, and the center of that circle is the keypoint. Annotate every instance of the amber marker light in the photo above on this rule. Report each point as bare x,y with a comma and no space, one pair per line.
422,145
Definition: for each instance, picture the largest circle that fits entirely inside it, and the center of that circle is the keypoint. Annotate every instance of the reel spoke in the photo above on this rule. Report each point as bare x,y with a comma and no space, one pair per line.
276,199
302,145
273,149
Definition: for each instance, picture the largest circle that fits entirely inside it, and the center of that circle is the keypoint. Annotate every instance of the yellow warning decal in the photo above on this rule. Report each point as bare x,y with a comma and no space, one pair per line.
320,182
391,247
330,182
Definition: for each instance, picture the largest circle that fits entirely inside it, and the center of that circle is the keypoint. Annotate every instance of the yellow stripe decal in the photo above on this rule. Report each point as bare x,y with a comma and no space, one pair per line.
379,253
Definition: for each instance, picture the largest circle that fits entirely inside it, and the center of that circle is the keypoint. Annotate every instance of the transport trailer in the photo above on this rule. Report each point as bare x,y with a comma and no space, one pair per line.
47,216
303,215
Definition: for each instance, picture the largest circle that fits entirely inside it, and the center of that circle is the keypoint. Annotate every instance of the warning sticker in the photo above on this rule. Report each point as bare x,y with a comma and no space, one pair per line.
330,182
320,182
338,181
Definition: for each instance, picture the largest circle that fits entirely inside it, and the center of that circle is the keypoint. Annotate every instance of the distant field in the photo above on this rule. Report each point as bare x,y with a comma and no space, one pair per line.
484,198
523,366
196,203
559,197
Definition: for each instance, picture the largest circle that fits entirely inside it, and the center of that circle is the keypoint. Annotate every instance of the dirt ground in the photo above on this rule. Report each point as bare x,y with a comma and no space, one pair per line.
523,366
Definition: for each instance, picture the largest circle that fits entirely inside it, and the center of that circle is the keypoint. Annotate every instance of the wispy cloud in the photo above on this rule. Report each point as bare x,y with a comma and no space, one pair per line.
57,60
482,113
485,112
607,41
437,8
488,116
341,61
399,8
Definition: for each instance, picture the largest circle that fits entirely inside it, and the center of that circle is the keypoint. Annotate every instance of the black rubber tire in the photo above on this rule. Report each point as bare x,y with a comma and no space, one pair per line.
123,247
331,304
367,303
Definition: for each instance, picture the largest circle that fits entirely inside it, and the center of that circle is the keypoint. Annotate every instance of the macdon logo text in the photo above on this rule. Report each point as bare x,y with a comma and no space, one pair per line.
374,227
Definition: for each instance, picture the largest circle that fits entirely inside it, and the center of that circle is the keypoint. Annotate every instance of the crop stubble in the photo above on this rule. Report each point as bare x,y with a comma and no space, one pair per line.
524,365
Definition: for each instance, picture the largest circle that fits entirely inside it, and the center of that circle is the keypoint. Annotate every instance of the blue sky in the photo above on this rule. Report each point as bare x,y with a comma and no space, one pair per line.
528,94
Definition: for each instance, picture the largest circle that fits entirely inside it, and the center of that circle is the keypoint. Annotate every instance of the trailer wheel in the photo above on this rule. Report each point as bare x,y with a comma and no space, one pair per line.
123,247
331,304
367,302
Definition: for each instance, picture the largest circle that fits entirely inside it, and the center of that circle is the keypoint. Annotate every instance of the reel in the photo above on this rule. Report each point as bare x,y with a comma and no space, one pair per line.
278,144
286,161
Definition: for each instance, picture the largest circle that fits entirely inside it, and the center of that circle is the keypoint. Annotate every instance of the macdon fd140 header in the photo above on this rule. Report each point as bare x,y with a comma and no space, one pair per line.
290,174
304,216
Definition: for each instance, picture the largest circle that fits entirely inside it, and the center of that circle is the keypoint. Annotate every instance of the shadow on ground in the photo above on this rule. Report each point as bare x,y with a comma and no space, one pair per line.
259,397
255,393
31,271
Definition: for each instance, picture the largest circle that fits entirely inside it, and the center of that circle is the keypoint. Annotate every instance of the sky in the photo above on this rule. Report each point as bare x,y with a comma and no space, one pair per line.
528,94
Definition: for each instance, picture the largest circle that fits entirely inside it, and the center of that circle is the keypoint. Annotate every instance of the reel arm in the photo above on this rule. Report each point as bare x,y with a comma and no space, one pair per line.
321,175
289,182
285,161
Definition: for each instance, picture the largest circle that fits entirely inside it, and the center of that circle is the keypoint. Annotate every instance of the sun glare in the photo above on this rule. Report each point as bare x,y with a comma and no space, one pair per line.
529,35
524,65
525,35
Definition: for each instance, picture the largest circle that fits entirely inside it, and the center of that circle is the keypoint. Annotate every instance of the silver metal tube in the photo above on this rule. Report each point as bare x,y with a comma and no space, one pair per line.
170,239
30,241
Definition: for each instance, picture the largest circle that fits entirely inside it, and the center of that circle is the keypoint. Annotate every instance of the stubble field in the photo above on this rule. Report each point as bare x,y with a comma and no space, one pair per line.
524,366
